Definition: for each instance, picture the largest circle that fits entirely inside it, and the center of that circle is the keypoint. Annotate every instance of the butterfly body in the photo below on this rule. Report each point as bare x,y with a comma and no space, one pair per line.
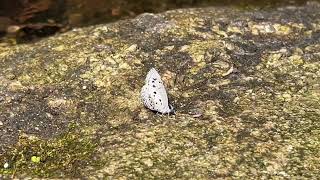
154,95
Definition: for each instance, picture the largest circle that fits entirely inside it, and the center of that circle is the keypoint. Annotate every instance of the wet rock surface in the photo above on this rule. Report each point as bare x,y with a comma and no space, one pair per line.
245,85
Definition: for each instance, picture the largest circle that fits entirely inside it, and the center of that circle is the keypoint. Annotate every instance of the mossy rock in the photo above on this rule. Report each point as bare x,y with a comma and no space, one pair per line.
245,86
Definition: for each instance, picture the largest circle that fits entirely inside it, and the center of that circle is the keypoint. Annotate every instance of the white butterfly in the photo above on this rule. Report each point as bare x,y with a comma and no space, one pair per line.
154,95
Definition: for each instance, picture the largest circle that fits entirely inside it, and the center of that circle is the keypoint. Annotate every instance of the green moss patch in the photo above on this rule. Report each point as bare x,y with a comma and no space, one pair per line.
59,157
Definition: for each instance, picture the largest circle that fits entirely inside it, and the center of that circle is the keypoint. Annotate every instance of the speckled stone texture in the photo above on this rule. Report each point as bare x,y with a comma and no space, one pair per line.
245,86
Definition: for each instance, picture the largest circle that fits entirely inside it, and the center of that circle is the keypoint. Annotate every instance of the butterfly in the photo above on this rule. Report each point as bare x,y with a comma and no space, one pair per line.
154,95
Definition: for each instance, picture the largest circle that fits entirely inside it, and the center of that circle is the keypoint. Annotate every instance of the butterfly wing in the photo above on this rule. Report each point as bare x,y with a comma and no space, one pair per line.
154,94
146,98
152,74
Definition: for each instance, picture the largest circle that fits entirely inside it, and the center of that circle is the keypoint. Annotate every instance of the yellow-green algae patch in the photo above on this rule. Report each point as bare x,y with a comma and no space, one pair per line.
58,157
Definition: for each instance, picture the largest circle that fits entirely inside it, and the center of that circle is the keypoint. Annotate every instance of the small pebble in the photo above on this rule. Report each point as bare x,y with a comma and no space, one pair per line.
6,165
197,115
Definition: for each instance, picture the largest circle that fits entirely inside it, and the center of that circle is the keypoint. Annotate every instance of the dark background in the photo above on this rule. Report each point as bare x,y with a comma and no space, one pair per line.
26,20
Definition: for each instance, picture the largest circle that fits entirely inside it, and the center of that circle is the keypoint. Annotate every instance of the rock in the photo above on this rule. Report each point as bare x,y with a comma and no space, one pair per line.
245,86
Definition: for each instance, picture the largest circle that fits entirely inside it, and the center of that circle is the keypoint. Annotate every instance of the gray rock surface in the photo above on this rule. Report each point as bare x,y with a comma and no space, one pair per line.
245,84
